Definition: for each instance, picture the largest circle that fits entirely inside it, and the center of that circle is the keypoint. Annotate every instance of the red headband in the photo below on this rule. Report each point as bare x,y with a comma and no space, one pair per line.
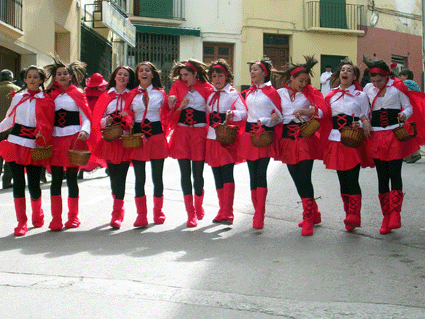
190,65
218,66
379,71
263,67
296,70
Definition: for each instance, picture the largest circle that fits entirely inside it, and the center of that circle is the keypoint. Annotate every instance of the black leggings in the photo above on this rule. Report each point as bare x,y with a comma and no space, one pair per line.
33,174
118,176
71,180
186,169
258,172
223,175
349,181
301,175
389,170
157,168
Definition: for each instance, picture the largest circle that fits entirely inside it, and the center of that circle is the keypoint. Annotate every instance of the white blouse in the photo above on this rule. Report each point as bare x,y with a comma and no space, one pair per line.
356,103
156,100
260,108
196,102
65,102
393,99
25,115
228,96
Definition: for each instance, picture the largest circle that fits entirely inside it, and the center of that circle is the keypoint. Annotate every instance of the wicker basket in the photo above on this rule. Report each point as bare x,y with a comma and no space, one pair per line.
308,128
132,140
266,138
112,133
42,152
402,134
78,157
226,134
352,137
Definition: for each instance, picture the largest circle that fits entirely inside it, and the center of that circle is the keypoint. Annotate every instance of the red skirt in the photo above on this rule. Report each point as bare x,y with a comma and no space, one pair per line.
61,145
112,152
250,152
156,147
385,146
297,150
188,143
341,158
19,154
219,154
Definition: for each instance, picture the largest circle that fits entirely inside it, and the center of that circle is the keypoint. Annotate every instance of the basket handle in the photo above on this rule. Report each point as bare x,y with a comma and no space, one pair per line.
45,143
399,123
73,147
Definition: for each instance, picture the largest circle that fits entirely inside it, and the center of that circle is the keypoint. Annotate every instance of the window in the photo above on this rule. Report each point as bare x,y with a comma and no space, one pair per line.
401,63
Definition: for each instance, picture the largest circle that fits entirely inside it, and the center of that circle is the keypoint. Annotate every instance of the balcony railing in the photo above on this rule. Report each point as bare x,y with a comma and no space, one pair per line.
322,14
164,9
11,13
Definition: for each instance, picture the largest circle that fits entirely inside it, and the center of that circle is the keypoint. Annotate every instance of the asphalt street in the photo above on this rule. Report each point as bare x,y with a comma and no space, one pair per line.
217,271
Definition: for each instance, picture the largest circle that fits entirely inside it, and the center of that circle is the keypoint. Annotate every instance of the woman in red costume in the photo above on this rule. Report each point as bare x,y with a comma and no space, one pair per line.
31,117
224,102
350,107
188,102
391,103
147,107
72,123
300,101
109,110
264,113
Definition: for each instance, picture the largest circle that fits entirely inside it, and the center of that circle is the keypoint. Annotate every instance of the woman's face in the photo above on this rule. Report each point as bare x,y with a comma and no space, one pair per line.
122,78
257,74
219,80
378,81
33,80
189,78
63,77
299,82
145,75
347,75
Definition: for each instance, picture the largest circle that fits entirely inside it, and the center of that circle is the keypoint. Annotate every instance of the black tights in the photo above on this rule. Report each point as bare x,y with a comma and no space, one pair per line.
301,175
71,180
349,181
186,170
118,176
33,174
223,175
258,172
157,167
389,170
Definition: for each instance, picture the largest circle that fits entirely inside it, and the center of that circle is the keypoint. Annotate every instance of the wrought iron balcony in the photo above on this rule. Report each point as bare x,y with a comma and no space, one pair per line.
11,13
331,15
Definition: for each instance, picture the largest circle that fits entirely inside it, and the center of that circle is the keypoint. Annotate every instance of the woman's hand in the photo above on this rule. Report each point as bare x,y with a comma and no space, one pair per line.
402,117
229,114
275,117
38,135
172,101
109,120
304,112
83,135
367,128
183,104
122,114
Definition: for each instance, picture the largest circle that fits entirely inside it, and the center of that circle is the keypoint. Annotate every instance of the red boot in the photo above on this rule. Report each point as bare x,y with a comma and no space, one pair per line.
73,221
260,210
218,218
317,216
158,215
346,202
200,213
353,218
117,214
56,207
228,197
190,209
384,200
142,212
21,215
396,200
37,213
308,214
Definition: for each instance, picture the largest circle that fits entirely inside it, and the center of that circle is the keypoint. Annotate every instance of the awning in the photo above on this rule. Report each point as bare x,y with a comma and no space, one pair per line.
168,30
